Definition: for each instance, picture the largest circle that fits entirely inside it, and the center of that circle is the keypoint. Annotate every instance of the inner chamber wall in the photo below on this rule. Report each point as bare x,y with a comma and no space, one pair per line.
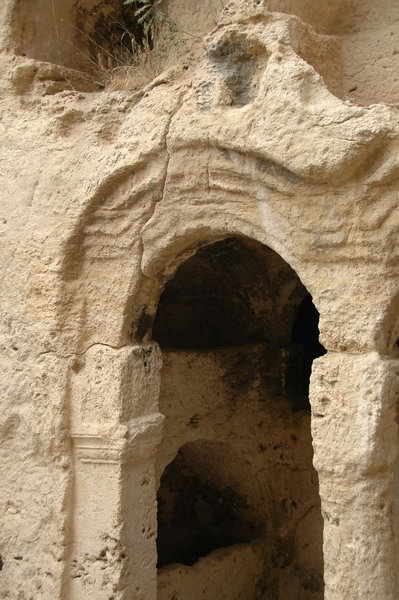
238,504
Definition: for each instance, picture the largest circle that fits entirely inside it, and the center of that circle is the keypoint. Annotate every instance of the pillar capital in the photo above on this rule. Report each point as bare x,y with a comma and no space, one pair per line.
140,440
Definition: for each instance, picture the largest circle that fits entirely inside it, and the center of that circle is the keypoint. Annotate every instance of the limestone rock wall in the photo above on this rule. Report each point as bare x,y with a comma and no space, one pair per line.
278,121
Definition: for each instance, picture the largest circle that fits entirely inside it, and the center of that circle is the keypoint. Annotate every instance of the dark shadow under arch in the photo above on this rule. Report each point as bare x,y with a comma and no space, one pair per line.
230,292
305,332
237,309
238,291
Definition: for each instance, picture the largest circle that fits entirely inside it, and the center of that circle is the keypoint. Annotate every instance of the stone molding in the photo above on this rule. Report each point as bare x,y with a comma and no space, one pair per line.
142,438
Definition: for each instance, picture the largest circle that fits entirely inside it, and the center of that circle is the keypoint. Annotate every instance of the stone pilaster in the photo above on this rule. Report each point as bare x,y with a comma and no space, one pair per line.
355,438
113,552
116,429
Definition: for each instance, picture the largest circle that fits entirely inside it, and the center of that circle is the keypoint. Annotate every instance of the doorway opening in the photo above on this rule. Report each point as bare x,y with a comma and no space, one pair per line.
238,494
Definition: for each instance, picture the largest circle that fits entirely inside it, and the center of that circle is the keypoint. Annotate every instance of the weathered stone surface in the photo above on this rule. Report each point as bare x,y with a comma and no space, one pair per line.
273,120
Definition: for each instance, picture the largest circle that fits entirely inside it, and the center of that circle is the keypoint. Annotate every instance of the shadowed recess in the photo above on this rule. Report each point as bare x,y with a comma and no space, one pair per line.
231,292
305,332
237,291
239,332
198,511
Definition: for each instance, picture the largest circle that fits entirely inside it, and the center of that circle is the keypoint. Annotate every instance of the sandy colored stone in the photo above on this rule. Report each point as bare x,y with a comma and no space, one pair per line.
273,120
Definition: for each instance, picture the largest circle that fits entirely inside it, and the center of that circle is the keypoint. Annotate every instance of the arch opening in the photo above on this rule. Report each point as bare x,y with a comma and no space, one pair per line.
238,494
231,292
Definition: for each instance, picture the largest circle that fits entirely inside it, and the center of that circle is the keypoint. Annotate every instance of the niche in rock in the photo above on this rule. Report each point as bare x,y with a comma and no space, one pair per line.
238,495
236,292
198,509
95,36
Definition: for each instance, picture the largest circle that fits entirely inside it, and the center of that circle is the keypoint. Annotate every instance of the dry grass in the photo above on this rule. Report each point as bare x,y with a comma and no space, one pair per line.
127,68
115,60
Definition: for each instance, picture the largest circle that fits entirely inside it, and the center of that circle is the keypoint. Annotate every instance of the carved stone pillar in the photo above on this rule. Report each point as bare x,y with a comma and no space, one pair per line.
96,551
139,507
116,432
114,524
356,446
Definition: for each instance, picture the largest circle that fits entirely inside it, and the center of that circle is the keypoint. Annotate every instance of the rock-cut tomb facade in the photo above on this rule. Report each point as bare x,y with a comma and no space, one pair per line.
200,303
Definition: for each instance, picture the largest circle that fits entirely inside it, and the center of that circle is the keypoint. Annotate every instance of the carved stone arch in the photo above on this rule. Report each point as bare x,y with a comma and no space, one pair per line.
161,265
133,231
101,268
200,206
129,240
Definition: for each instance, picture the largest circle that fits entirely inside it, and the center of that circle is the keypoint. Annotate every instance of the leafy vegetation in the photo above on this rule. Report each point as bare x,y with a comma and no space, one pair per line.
148,14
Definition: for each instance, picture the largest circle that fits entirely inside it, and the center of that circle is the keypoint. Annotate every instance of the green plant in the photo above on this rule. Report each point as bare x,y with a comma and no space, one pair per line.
151,17
172,35
129,46
148,14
